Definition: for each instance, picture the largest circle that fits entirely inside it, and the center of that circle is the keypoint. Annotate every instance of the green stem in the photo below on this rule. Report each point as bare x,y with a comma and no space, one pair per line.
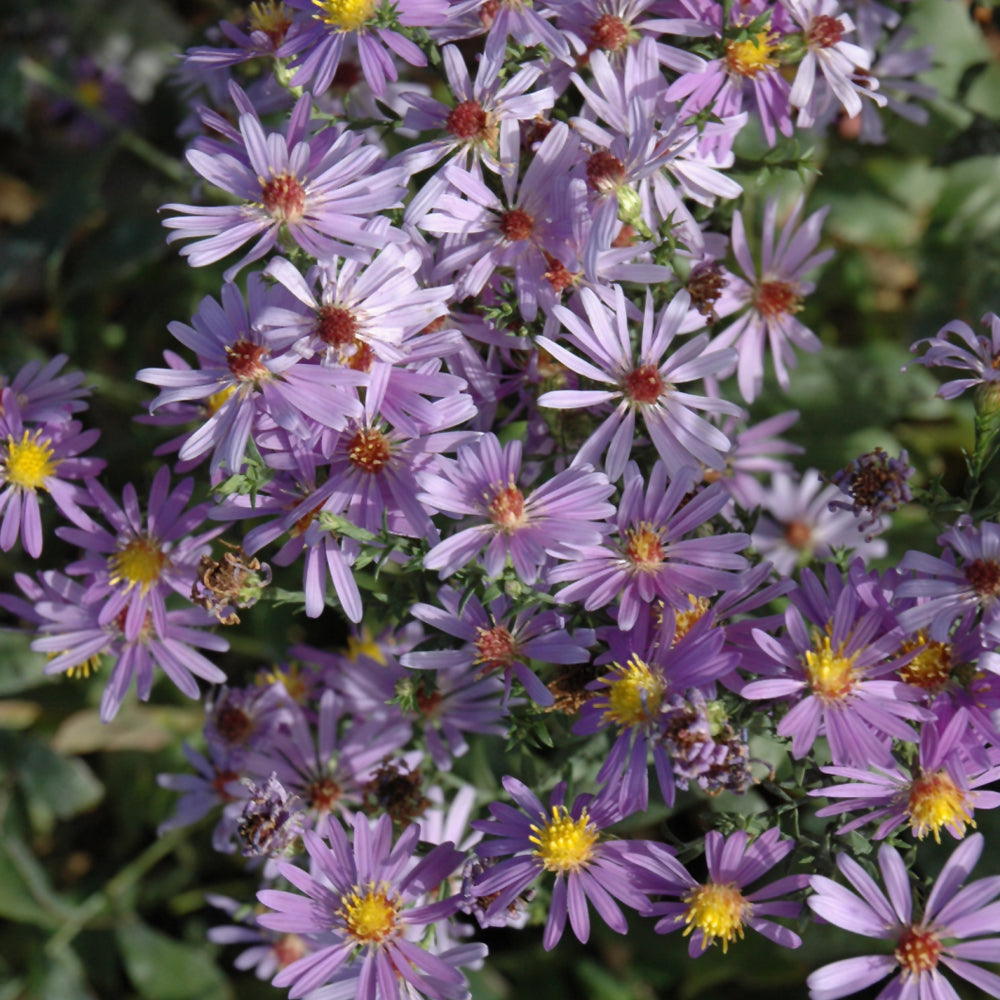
132,141
104,900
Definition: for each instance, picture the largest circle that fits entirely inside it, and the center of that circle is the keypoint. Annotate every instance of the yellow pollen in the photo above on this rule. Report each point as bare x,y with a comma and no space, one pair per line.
634,695
684,621
644,547
364,645
831,675
214,402
936,801
28,462
718,911
753,56
369,913
90,92
140,561
292,678
930,669
564,844
270,16
346,15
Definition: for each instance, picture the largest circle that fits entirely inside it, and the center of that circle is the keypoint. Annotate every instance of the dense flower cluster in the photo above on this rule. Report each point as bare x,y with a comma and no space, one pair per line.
486,392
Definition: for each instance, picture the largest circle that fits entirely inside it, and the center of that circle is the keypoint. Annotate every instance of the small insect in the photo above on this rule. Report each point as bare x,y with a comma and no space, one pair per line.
232,582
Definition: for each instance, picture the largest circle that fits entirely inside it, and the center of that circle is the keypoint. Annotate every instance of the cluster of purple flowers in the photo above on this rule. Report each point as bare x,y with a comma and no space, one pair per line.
488,383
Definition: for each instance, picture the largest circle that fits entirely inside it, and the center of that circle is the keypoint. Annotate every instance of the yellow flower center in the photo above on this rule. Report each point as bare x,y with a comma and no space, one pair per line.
29,461
831,675
346,15
684,621
644,547
214,402
140,561
718,911
930,669
564,844
291,676
270,16
936,801
753,56
634,694
369,913
364,645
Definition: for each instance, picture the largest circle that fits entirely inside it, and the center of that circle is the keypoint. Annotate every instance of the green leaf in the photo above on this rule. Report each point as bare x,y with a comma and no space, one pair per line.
65,785
163,969
22,882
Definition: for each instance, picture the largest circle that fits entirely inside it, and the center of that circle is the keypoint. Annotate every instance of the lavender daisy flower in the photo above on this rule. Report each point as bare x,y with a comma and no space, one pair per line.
320,189
556,519
495,642
842,64
718,908
366,898
774,296
43,395
265,952
940,792
133,567
332,23
566,841
482,233
835,679
959,926
979,355
44,458
749,71
245,371
952,590
482,127
653,559
799,522
74,632
646,385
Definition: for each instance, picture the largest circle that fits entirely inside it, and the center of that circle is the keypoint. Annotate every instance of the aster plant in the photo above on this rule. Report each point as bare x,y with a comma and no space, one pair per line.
475,410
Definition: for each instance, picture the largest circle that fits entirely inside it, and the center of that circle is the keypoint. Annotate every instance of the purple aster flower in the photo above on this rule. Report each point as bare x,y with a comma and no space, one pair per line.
773,296
483,125
482,233
320,190
271,822
43,458
268,25
952,590
748,72
333,23
939,792
327,765
566,841
526,25
798,523
959,926
556,519
652,559
630,698
979,355
367,899
75,632
719,908
835,677
215,782
360,311
43,395
245,371
265,952
495,642
841,63
646,385
132,567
